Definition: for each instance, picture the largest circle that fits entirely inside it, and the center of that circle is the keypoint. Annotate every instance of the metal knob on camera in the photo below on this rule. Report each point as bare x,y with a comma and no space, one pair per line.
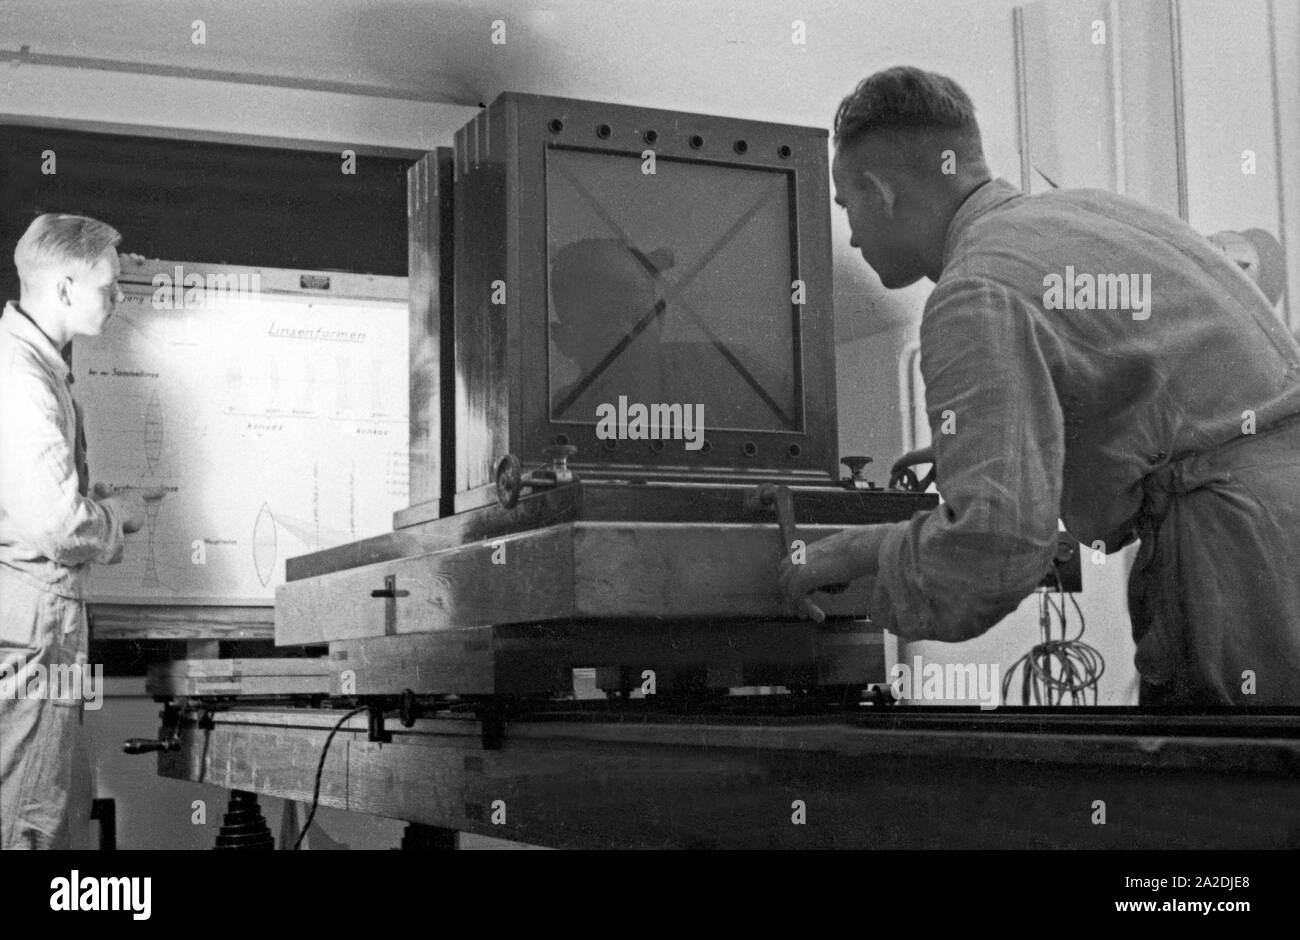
511,481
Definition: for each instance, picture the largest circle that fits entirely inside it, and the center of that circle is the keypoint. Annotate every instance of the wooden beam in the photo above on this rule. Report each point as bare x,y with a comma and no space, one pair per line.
226,677
190,622
539,659
775,784
457,94
568,571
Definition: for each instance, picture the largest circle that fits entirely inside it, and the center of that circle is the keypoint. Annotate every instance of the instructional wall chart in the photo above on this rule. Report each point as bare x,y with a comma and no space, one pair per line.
277,423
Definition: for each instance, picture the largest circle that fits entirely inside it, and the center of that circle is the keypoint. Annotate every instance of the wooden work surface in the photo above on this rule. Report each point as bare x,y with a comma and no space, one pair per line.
186,677
420,530
538,660
588,782
569,571
181,622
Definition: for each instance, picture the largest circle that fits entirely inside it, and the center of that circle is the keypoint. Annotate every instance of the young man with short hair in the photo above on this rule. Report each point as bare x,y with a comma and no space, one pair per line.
51,530
1089,358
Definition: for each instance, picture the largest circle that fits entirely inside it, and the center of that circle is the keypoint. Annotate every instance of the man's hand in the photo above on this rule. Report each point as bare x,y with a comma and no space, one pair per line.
129,502
836,559
911,459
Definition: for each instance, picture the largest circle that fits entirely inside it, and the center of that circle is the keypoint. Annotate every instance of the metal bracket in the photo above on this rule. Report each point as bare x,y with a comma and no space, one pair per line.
511,481
375,719
492,723
390,593
879,695
409,709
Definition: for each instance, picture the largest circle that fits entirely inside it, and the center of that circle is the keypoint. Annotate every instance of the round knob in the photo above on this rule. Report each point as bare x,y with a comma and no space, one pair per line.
559,455
510,481
855,464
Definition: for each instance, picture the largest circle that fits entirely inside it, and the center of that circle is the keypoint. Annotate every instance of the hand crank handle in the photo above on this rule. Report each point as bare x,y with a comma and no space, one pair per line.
780,497
149,745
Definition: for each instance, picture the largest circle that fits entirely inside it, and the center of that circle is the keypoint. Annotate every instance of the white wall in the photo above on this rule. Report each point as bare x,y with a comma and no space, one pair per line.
1286,50
1228,57
1060,58
201,109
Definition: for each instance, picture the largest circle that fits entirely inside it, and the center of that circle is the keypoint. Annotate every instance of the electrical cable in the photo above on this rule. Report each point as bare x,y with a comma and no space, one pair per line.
1055,668
320,771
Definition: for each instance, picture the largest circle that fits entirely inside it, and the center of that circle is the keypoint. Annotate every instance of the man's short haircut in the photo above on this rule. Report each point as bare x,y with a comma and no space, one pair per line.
908,99
56,240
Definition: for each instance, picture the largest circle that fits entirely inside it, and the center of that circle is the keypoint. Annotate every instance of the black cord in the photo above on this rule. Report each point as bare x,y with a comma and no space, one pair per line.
320,771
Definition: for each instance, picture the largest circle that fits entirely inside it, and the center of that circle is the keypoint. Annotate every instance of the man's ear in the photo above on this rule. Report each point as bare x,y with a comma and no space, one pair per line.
63,290
883,189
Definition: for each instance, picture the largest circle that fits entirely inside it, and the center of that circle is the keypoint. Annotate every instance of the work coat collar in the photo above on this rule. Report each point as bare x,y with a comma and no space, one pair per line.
984,198
16,323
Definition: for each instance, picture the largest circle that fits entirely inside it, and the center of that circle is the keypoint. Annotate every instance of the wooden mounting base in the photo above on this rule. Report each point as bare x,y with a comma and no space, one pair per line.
539,659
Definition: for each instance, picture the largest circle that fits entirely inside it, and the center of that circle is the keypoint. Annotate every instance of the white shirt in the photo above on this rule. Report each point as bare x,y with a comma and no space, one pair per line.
49,530
1038,412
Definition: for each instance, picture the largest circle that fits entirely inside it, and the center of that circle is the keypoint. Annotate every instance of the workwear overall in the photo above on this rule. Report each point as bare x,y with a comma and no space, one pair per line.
1089,359
50,533
1220,525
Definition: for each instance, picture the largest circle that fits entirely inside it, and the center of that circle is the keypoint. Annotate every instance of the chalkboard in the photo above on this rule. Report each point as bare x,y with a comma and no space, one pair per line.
272,407
221,203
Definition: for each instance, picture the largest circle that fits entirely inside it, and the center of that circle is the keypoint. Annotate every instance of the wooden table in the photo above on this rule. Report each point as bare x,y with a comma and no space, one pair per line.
897,777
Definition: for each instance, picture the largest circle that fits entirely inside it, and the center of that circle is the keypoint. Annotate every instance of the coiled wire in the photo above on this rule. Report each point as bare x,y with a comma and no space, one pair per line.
1055,668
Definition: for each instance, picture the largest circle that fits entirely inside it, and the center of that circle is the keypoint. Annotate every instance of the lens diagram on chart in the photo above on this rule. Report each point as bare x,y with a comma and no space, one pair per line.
277,534
264,422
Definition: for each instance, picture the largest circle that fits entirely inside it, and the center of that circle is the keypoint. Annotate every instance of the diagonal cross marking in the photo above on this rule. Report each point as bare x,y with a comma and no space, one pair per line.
673,292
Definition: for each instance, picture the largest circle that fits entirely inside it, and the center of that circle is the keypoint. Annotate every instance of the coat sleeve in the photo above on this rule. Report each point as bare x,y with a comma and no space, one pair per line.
953,572
38,481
